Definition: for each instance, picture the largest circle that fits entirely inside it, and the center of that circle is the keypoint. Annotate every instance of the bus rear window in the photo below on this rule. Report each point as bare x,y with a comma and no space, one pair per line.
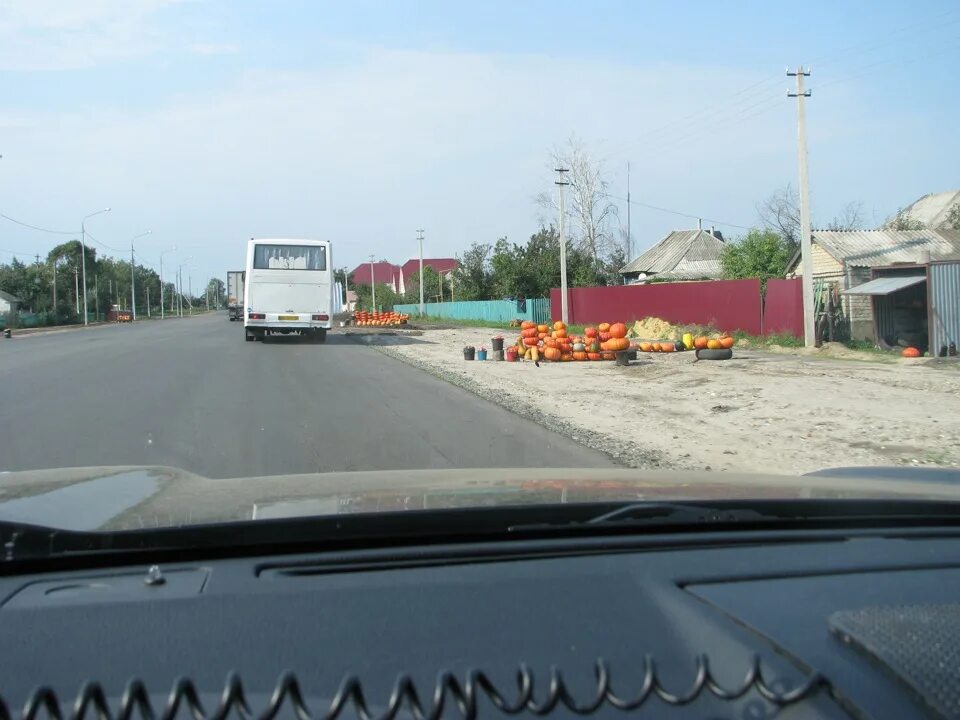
289,257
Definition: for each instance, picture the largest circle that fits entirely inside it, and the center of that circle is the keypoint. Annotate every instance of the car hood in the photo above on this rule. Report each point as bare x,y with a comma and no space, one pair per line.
133,497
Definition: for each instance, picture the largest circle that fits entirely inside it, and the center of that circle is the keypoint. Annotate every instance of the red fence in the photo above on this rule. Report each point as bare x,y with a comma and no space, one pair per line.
724,304
783,308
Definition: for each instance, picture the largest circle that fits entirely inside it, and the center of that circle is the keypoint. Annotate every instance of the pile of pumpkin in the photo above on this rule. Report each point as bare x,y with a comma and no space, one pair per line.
379,319
554,344
688,342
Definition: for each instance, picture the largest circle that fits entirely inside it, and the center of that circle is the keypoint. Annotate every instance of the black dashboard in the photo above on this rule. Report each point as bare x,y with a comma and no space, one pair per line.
718,625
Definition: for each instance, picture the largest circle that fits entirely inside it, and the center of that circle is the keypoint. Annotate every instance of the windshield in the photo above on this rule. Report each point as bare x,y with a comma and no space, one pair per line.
314,258
289,257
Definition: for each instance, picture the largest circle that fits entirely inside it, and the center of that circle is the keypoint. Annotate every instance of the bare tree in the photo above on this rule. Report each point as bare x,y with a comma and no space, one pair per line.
588,202
903,221
850,217
781,213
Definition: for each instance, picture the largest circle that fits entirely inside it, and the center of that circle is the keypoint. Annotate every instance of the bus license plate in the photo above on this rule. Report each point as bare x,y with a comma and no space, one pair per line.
290,317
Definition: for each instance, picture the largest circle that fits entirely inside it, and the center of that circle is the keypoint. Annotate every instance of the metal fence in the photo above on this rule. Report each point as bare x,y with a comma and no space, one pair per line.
536,309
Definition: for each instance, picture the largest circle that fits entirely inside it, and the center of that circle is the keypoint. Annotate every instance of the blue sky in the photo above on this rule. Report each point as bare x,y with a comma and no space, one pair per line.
359,122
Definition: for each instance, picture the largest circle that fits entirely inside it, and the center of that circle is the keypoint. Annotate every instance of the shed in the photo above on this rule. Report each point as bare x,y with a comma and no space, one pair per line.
681,255
916,305
845,259
8,302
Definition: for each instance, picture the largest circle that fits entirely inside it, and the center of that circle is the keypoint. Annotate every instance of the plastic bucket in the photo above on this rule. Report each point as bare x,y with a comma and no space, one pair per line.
468,353
481,354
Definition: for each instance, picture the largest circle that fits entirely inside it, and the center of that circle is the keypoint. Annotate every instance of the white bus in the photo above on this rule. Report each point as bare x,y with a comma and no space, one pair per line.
289,288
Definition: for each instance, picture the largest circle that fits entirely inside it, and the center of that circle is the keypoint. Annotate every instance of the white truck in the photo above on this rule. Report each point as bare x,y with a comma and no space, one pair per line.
289,289
235,294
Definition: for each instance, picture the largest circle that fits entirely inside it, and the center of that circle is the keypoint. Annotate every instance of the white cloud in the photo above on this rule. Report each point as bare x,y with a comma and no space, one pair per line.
213,49
60,35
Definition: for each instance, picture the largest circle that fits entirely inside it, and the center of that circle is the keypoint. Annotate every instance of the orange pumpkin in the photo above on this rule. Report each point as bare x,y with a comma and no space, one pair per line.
655,347
530,341
726,342
528,332
609,356
618,330
616,344
560,333
910,352
593,356
543,328
646,347
603,327
558,325
713,344
552,354
590,332
579,355
604,336
566,357
527,324
667,347
542,336
549,342
700,342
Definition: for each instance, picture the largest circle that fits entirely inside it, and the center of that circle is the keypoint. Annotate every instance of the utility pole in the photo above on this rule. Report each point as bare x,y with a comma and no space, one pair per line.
133,285
420,283
562,182
629,236
146,289
190,292
76,288
55,288
96,294
373,287
809,319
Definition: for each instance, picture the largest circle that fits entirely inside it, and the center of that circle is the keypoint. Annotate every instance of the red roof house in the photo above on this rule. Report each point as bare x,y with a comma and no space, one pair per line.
441,266
382,273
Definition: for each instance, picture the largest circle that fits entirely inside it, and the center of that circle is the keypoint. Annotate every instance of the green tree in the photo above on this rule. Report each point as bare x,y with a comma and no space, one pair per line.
473,277
953,218
758,254
903,221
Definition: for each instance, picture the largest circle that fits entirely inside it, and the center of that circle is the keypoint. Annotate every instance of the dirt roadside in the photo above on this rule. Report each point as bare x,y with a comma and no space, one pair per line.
760,411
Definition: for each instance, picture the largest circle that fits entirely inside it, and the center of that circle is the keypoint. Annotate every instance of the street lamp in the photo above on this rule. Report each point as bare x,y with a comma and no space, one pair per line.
180,268
83,245
133,285
173,249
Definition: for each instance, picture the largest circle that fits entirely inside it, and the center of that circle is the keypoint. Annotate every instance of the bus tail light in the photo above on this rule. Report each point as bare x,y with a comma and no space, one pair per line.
321,317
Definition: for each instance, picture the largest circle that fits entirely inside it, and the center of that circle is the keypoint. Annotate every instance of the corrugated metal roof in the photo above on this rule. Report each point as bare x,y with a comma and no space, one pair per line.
932,210
382,272
680,251
869,248
886,285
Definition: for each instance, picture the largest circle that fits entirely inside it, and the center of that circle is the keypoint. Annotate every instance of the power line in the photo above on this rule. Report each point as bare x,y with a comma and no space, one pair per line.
677,212
35,227
102,244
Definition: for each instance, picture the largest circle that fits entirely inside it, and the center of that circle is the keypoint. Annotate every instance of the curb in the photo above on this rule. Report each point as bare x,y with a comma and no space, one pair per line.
623,452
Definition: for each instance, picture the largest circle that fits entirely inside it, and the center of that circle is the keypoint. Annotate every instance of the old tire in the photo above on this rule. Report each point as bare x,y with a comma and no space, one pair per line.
719,354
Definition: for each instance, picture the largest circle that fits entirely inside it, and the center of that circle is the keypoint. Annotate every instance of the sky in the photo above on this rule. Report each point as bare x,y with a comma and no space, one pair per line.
210,122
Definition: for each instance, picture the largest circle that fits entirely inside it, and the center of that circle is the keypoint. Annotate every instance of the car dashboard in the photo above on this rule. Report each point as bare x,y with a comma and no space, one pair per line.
720,625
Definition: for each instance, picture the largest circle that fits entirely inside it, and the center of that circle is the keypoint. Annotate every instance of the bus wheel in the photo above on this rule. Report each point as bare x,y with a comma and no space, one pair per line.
248,336
319,336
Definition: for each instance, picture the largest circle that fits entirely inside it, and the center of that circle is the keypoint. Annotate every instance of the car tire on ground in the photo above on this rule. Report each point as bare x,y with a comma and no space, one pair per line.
719,354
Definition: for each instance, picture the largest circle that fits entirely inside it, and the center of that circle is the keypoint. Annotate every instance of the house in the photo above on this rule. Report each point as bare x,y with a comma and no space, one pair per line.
681,255
844,259
8,303
442,266
381,273
933,210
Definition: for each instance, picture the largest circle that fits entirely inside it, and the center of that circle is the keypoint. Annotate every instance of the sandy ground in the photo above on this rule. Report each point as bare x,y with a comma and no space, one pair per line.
789,412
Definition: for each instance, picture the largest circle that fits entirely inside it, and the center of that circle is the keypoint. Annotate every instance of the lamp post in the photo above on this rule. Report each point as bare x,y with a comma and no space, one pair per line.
83,245
173,249
133,284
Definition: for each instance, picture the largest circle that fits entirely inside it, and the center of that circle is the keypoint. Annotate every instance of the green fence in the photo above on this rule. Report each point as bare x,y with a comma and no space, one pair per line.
537,309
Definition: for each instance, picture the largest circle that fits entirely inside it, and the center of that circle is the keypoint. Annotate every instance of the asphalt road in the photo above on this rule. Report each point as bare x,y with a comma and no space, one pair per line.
192,394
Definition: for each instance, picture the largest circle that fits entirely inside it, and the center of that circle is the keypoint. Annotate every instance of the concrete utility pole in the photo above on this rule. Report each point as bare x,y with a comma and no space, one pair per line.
55,287
809,319
133,289
373,287
629,247
420,283
562,182
76,289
